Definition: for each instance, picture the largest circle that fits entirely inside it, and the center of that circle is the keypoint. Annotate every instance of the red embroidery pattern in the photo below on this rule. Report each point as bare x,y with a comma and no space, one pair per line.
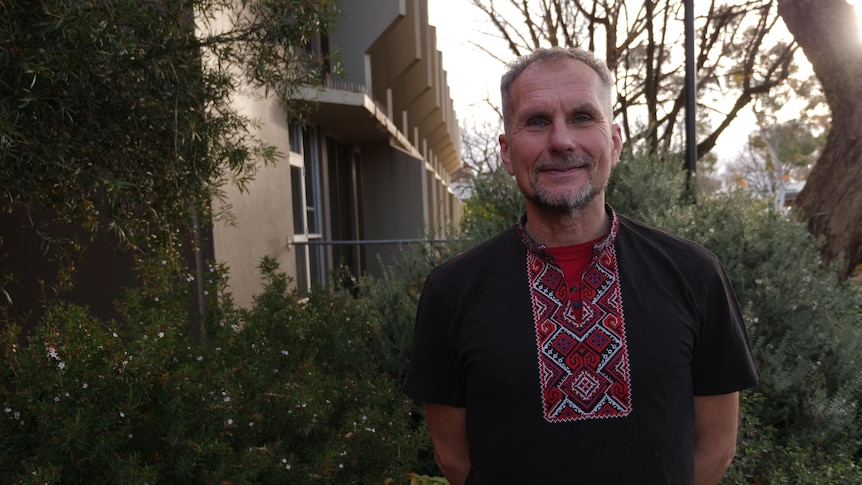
583,360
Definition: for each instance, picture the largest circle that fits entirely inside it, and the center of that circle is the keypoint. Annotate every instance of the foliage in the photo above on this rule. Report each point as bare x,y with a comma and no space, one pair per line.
495,204
287,392
116,115
804,324
779,153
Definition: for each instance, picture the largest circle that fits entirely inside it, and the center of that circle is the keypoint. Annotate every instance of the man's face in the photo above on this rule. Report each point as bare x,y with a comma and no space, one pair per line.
561,145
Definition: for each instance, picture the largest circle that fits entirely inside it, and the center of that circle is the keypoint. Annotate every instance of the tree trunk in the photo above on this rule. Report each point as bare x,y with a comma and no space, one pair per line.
831,202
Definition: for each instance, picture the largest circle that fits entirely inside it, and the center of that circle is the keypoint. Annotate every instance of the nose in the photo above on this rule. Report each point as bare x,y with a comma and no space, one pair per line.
561,138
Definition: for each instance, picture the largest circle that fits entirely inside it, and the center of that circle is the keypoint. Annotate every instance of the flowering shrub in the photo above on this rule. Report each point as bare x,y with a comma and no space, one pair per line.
287,392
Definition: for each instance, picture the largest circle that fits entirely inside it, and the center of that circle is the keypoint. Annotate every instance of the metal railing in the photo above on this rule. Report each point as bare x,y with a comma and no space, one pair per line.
367,242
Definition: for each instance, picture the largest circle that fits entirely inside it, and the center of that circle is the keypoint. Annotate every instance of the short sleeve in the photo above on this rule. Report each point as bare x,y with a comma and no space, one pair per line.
723,361
435,374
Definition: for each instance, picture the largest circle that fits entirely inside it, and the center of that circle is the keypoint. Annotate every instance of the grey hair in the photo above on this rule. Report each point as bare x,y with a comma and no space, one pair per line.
519,65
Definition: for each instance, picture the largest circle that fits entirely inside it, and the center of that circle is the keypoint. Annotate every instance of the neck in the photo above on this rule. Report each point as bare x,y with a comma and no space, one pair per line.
554,230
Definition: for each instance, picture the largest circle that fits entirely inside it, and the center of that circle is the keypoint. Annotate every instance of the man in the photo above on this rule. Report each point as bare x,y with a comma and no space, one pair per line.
578,346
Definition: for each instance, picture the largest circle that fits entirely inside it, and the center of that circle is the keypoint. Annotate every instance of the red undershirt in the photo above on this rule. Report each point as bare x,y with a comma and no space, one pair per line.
573,260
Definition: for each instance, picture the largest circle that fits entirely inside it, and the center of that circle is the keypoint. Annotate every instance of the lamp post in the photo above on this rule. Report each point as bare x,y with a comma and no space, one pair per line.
690,108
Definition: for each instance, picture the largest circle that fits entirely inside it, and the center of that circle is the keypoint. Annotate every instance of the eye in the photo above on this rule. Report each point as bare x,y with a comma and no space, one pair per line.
536,122
581,118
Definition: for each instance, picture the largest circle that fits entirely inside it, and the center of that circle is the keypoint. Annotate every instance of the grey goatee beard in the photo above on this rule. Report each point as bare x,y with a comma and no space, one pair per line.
570,204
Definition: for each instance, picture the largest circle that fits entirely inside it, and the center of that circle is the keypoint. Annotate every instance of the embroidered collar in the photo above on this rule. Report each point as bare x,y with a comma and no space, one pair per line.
582,351
541,250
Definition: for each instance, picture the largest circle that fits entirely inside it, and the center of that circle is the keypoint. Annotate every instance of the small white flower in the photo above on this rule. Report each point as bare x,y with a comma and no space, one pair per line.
85,385
131,436
122,414
229,422
61,365
200,358
56,398
161,334
284,352
164,262
251,424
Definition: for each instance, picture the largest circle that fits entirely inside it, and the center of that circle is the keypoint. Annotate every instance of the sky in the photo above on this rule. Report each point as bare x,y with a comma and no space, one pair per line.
474,75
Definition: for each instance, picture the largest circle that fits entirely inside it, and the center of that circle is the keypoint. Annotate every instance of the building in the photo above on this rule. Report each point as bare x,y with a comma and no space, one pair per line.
370,167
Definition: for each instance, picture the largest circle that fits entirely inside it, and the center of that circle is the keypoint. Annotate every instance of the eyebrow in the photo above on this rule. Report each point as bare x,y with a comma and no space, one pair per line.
588,108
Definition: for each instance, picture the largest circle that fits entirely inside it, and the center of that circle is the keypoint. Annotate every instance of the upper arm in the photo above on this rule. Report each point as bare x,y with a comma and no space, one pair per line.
448,428
716,419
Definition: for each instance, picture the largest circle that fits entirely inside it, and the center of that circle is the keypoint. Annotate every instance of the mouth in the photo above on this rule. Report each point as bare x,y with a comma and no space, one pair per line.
564,165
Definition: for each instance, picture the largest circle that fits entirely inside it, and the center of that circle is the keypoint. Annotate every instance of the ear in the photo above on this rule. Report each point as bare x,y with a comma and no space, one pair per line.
617,140
505,156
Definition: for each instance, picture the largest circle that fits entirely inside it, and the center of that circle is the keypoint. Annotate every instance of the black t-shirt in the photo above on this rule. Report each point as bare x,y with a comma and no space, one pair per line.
477,345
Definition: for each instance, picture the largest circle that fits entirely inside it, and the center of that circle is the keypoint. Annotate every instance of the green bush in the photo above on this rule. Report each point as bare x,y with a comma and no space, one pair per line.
287,392
495,204
805,326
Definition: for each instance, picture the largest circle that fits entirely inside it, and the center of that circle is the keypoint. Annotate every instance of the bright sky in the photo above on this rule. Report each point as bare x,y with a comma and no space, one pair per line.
473,74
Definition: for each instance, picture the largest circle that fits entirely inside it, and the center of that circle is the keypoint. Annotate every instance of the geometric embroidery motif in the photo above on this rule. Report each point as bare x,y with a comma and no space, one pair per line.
582,353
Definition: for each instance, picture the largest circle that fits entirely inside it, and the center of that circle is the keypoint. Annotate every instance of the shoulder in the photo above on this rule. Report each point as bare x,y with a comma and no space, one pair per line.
650,244
476,261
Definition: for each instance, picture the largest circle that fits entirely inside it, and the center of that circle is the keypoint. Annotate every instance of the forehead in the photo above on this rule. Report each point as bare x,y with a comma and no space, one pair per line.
557,79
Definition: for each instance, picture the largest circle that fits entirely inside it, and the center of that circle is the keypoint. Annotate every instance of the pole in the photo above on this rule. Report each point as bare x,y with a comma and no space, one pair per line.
690,107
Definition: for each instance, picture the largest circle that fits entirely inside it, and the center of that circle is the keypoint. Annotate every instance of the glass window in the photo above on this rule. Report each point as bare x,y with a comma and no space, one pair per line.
294,131
297,199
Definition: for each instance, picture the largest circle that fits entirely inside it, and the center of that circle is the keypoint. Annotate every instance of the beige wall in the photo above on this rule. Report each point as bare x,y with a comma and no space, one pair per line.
263,214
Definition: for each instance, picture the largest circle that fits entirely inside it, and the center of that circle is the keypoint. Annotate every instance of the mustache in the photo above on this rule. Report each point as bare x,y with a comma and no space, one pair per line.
564,163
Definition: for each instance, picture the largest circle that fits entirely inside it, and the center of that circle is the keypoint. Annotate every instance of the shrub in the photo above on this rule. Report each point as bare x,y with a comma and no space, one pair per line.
283,393
805,325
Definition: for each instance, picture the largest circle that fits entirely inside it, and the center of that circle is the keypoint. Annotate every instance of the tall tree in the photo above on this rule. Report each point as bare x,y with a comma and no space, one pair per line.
642,43
831,202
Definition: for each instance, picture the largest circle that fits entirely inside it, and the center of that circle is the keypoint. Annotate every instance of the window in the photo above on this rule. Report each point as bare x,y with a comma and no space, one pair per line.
294,133
306,186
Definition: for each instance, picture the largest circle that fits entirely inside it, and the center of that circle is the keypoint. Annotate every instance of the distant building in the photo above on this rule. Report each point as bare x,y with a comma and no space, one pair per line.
373,166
